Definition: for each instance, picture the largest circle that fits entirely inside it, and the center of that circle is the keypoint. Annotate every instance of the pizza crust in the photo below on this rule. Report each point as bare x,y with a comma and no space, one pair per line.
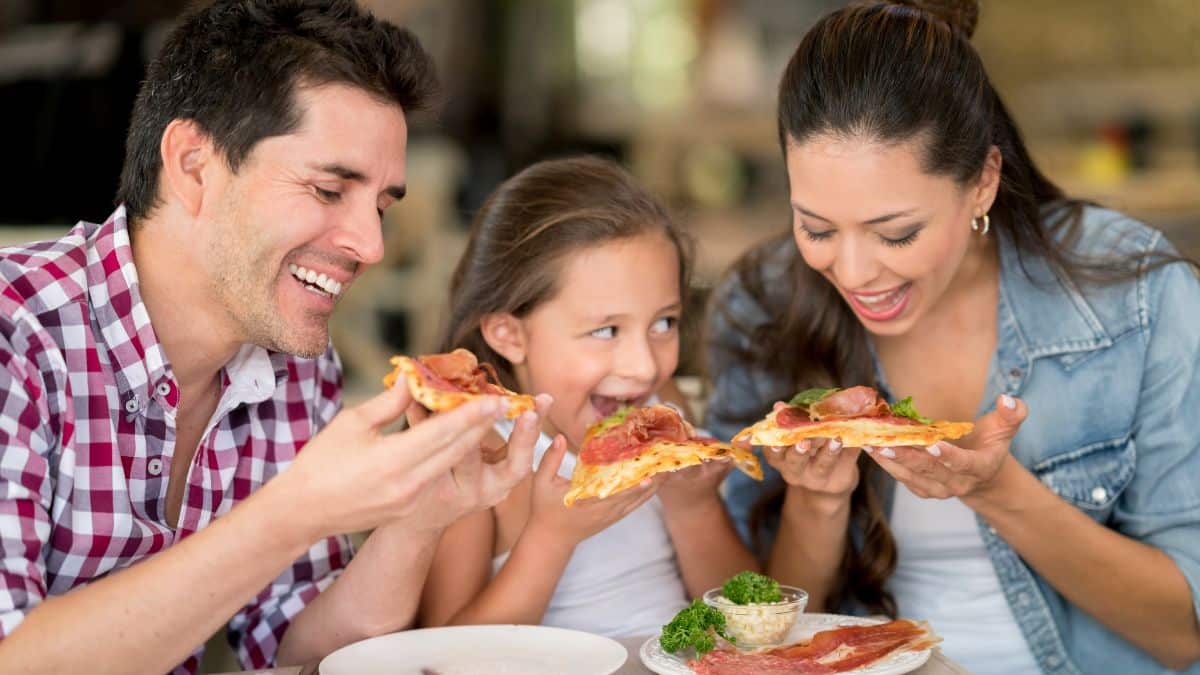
438,400
853,433
604,480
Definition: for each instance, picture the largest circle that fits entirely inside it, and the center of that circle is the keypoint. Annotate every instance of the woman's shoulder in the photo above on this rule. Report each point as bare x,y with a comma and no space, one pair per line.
1135,253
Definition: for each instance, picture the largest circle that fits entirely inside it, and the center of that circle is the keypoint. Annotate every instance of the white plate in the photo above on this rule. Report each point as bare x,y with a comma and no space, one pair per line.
479,650
664,663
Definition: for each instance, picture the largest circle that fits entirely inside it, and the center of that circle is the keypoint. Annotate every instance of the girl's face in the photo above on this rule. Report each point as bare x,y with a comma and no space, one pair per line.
889,236
609,337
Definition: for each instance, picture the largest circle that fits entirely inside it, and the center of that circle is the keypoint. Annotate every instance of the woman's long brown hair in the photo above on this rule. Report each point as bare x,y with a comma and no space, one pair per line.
893,72
523,231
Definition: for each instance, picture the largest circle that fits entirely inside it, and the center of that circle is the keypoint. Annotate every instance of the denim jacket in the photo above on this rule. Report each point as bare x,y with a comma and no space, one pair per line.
1112,381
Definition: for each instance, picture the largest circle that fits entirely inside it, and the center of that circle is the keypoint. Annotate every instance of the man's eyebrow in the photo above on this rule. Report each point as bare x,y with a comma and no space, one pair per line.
396,192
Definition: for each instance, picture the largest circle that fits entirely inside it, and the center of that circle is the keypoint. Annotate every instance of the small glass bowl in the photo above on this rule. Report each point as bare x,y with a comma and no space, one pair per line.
760,624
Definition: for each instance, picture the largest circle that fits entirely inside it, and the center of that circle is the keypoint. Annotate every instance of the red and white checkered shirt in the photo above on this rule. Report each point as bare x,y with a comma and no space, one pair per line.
87,432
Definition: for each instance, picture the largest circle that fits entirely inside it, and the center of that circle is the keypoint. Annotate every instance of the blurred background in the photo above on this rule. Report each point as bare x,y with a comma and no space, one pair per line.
682,91
1107,93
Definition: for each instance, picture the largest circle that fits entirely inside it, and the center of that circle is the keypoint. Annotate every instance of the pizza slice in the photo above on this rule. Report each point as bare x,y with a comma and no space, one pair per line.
635,443
442,382
857,417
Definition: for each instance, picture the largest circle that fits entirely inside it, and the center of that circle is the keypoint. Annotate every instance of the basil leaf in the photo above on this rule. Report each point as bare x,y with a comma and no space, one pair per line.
905,408
811,396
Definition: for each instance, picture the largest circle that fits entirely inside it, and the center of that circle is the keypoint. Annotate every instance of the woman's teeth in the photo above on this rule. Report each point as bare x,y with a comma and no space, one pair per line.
319,281
881,302
607,405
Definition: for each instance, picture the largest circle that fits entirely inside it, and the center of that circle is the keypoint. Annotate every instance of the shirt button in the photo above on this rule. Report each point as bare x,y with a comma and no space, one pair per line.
163,388
1023,599
1016,372
154,467
1053,661
1099,494
131,406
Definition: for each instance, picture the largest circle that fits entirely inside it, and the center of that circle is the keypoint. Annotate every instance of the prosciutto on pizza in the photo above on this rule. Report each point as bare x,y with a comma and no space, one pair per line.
635,443
442,382
857,417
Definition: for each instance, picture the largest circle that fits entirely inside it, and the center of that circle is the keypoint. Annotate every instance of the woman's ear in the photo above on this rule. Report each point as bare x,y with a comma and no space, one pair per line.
505,334
989,182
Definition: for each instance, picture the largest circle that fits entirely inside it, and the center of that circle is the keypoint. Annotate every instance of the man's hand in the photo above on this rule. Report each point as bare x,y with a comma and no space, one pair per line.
477,481
358,477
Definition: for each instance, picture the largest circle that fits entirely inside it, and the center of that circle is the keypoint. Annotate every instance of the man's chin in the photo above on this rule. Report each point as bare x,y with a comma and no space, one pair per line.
304,346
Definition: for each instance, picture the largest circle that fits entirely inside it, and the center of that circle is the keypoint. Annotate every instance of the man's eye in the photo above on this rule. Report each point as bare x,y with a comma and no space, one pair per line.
327,195
606,333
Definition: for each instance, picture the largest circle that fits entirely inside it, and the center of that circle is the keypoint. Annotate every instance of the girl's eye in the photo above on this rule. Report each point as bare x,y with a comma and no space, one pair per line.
606,333
902,241
816,236
664,325
327,195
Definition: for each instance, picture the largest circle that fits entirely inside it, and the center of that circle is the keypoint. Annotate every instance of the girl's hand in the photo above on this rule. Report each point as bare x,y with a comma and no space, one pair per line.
945,470
820,466
586,517
694,484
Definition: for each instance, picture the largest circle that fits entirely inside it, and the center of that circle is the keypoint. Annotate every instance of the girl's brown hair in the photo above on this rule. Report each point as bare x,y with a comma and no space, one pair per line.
892,72
526,228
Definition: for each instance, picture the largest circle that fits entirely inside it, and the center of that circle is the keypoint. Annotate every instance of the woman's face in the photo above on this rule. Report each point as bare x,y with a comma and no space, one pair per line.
889,236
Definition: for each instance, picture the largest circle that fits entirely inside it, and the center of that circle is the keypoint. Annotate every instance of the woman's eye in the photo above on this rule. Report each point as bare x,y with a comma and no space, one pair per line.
902,241
327,195
606,333
665,324
816,236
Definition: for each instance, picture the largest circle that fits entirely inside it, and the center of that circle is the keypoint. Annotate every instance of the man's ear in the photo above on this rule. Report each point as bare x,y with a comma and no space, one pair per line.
186,152
505,334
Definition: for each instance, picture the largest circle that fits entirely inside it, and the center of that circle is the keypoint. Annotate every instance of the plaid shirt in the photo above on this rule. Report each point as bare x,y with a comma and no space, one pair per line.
87,432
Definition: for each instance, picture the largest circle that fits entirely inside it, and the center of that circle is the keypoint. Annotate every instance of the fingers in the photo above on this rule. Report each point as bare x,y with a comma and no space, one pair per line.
920,485
416,413
998,427
552,460
466,472
439,443
542,403
523,440
385,407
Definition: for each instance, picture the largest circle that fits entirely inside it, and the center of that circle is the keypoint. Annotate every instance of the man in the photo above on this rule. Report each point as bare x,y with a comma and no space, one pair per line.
160,372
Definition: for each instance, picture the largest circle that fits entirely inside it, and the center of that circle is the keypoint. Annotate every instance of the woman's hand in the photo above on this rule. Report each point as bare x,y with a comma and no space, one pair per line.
945,470
586,517
819,466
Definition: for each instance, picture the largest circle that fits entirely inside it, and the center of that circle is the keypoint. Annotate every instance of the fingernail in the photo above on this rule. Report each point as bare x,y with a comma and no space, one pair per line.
1008,402
776,450
833,448
835,445
528,417
888,452
800,448
868,449
934,450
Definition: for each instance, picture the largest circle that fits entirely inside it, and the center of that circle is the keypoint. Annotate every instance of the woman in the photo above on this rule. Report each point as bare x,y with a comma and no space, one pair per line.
932,259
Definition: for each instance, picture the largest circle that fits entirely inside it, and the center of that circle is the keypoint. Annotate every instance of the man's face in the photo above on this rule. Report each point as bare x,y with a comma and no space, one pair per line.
285,236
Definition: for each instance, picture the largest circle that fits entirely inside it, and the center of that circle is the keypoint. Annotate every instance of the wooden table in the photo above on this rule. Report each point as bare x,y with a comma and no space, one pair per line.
937,664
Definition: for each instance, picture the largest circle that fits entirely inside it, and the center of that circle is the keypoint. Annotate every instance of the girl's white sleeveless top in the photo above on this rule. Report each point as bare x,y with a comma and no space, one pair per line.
621,582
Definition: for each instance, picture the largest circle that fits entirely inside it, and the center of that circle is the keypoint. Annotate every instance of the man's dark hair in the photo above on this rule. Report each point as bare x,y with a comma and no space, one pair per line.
233,66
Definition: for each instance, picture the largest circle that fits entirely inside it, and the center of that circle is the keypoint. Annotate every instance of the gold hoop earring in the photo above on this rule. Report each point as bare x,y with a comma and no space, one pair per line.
982,229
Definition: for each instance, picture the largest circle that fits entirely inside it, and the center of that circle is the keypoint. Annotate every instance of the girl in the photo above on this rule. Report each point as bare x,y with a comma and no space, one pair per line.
931,258
571,285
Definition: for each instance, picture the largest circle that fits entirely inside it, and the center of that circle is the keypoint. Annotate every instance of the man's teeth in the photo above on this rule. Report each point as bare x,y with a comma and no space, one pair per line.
321,281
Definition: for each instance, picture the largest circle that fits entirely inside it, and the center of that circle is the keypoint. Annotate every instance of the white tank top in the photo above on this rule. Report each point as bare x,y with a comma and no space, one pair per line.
944,576
623,581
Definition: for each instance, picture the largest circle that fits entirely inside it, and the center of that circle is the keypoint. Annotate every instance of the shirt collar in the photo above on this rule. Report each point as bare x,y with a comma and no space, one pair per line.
121,317
1050,314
